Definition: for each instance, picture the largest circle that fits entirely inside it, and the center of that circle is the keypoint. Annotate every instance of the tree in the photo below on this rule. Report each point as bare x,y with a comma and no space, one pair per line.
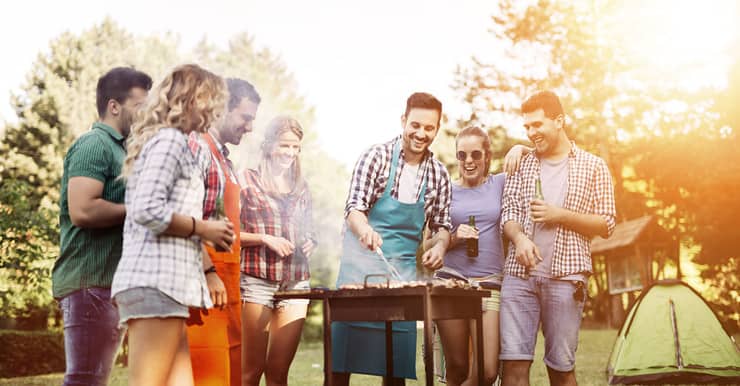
57,104
27,237
616,110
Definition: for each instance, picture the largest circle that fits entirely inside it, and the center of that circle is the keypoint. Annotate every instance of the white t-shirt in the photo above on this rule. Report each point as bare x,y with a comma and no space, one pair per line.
407,184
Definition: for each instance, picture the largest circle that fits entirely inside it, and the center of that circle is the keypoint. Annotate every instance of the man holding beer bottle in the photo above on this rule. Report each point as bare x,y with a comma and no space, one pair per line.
215,338
549,258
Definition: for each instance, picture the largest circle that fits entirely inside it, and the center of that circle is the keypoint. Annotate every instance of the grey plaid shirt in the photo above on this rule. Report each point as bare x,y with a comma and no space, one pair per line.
371,175
590,190
168,177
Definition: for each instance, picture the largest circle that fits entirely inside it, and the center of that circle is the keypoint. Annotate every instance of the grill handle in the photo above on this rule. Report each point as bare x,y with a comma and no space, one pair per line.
380,275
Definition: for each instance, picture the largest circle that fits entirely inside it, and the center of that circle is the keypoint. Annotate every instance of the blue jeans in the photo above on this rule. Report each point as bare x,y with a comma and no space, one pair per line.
525,303
91,336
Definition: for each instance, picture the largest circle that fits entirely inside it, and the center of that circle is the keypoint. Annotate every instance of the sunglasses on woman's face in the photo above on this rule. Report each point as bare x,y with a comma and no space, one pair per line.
475,154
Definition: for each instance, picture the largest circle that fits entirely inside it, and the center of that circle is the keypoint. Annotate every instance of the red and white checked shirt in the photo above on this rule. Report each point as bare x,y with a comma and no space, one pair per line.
289,217
215,175
590,190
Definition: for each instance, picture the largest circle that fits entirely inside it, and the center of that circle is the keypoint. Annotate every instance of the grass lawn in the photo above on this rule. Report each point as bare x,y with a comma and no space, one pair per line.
307,369
593,352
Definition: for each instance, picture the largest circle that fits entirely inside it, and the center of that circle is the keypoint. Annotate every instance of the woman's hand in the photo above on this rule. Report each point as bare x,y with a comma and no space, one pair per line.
216,233
308,247
465,231
217,289
279,245
513,158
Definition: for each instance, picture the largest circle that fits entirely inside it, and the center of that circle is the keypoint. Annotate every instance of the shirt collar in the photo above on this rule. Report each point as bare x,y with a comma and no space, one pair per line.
574,150
428,154
222,148
118,137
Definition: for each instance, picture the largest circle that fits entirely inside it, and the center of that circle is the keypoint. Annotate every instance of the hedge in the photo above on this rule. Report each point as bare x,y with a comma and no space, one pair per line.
30,353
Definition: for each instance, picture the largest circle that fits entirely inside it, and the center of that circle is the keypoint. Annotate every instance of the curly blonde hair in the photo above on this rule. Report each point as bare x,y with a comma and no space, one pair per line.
276,128
189,98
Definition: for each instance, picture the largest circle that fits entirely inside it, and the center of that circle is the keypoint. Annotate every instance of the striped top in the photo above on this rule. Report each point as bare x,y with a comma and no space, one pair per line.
88,257
167,178
288,216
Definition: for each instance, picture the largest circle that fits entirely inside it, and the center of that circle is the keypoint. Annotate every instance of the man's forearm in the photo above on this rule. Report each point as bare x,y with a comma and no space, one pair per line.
442,239
99,213
513,230
356,220
589,225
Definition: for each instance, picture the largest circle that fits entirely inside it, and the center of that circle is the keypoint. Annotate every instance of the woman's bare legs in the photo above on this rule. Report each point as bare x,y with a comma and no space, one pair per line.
255,338
156,352
285,334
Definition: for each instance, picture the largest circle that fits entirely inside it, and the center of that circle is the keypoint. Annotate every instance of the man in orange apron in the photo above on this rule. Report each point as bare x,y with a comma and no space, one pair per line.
215,340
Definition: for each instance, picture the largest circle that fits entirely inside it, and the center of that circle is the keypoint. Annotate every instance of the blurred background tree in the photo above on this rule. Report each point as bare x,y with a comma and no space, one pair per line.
57,104
670,148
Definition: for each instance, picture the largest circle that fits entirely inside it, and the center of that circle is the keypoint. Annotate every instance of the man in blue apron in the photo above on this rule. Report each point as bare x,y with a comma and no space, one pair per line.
397,188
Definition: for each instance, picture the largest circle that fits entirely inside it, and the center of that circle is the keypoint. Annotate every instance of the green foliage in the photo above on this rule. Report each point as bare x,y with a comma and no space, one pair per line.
57,104
28,246
669,149
29,353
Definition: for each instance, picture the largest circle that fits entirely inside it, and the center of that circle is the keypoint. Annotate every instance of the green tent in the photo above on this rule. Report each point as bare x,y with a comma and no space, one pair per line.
672,336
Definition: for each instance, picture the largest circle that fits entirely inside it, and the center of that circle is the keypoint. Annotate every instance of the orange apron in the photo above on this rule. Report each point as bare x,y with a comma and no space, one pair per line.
215,347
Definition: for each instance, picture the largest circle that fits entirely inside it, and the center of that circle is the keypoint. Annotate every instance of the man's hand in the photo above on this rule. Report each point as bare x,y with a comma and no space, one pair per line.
217,289
369,238
542,212
432,258
527,253
279,245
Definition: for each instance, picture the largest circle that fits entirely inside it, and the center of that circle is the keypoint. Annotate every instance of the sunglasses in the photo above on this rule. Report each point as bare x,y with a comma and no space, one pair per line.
477,155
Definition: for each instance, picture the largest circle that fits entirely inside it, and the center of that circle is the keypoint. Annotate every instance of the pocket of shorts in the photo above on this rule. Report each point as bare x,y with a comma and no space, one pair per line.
130,297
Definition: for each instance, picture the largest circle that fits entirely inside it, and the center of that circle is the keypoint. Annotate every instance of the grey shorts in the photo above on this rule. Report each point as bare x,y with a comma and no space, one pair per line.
262,291
527,303
147,302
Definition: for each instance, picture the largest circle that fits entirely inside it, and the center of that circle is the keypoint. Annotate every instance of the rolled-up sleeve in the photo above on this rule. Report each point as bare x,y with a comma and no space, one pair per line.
603,197
364,177
511,203
161,156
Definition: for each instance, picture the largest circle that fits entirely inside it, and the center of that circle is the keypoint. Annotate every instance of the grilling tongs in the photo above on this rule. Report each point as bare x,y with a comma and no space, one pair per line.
391,268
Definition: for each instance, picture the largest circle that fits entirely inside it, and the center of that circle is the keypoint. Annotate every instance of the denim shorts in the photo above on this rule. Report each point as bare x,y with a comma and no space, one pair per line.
525,303
147,302
262,291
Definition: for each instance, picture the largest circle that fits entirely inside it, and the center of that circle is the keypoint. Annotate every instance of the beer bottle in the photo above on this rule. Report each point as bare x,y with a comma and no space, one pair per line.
221,215
538,190
471,245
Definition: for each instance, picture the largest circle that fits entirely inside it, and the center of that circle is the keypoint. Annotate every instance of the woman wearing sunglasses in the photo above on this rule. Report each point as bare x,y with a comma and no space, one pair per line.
476,194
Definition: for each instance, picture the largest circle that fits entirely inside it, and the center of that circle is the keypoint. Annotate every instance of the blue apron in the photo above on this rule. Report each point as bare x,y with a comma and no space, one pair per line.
359,347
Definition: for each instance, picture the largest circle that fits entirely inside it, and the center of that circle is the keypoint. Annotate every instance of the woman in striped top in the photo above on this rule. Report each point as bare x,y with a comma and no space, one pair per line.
161,272
277,240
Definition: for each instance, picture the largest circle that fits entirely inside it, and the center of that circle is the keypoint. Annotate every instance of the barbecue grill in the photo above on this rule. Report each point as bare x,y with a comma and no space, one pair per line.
397,301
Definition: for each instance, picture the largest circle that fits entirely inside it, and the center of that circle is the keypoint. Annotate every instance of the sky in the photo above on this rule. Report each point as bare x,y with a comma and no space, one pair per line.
355,62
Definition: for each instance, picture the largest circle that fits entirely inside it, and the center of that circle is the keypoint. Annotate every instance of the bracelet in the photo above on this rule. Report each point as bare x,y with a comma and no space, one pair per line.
192,231
210,270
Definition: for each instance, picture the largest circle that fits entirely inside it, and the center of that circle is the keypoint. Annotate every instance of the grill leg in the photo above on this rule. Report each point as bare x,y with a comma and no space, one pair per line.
388,350
327,344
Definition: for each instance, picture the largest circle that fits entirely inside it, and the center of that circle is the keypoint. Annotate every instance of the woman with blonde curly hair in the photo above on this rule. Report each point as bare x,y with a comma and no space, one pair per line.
160,273
277,238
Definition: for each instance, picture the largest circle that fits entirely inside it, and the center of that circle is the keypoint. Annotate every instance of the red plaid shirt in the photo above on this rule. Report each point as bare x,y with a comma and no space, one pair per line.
590,190
289,217
215,176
